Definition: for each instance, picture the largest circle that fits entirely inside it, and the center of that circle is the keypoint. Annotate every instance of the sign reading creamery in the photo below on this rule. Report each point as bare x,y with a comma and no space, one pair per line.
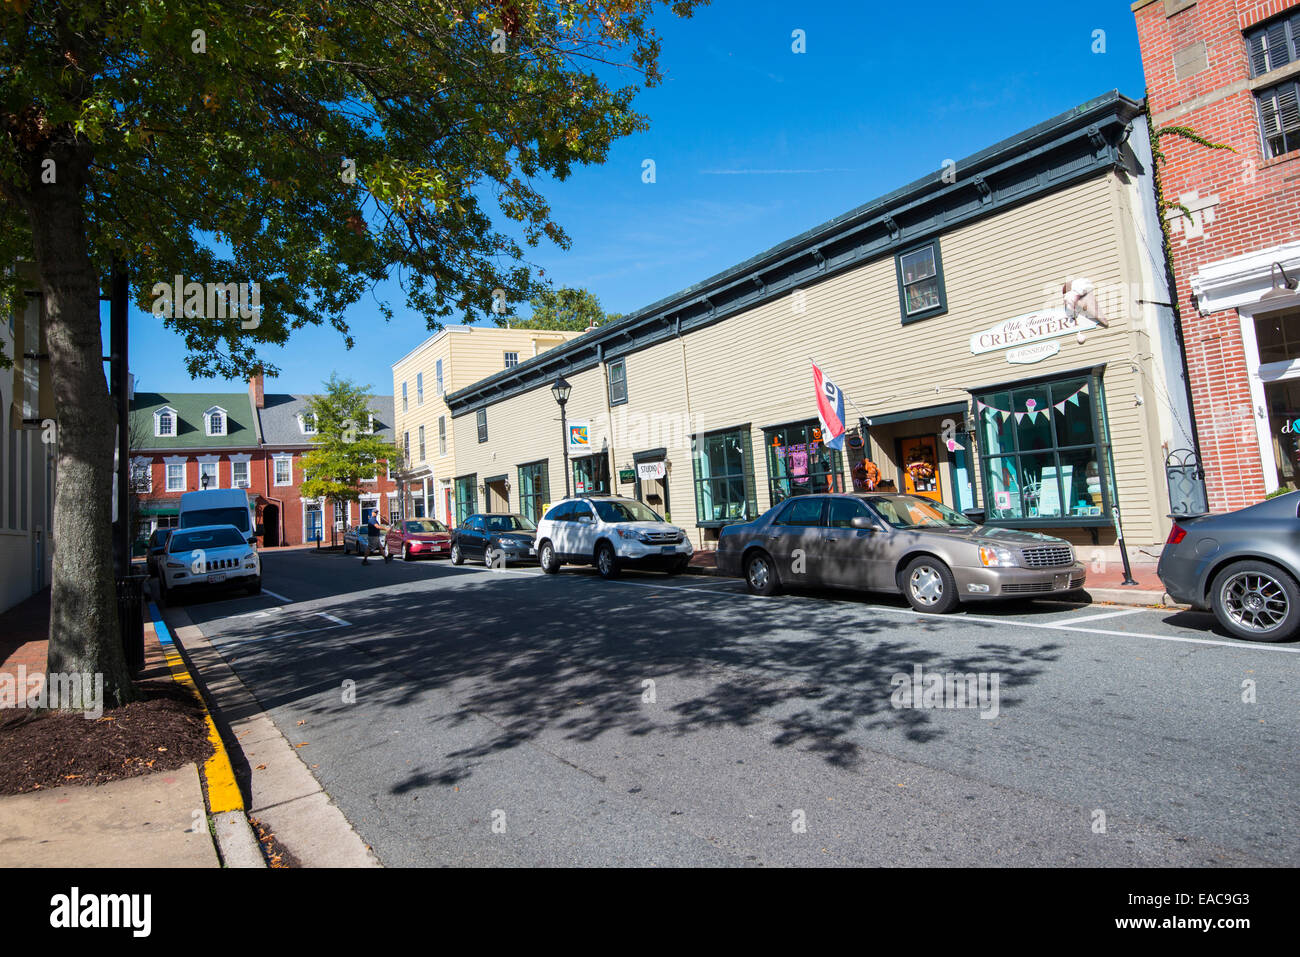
1031,327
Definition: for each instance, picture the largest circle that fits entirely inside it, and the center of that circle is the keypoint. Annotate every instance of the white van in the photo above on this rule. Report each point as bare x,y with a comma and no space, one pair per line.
219,506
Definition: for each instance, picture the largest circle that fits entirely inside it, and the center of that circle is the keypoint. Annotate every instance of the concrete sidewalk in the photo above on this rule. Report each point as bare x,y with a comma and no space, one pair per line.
1104,584
157,820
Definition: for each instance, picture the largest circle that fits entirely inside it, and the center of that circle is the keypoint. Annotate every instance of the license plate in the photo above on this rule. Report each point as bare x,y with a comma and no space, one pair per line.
532,551
213,579
1062,581
669,549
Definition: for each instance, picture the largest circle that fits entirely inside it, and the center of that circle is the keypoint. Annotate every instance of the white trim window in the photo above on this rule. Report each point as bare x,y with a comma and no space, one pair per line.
240,471
512,360
421,434
214,421
437,371
142,476
442,435
164,423
307,423
283,469
210,468
419,388
406,404
175,470
374,476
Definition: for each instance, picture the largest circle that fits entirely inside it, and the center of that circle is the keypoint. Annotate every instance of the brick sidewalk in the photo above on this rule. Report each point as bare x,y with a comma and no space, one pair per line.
24,638
24,634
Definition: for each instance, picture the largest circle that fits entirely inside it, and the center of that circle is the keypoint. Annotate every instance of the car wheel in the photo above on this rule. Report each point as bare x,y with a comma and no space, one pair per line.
928,585
760,574
678,566
406,552
386,554
606,560
547,559
256,587
457,558
162,591
1256,601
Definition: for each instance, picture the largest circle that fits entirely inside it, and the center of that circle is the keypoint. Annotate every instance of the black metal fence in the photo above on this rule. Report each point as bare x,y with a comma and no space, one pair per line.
1186,480
130,619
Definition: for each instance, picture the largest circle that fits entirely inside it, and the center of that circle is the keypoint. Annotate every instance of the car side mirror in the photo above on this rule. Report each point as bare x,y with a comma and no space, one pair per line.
864,523
976,515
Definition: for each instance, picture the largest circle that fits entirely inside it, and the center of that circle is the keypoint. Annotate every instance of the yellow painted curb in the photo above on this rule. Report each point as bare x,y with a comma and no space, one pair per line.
218,773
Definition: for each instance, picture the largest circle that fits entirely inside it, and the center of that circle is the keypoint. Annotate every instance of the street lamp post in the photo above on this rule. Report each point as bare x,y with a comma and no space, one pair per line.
561,391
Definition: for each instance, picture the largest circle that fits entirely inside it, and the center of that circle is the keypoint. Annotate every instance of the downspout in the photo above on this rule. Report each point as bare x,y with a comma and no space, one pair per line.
1172,282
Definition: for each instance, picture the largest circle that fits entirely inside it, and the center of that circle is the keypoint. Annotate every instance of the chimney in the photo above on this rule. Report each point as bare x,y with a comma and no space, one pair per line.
255,391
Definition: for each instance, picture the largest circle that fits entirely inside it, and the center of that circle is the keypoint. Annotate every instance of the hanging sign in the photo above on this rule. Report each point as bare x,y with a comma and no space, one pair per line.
579,437
1029,328
626,476
651,470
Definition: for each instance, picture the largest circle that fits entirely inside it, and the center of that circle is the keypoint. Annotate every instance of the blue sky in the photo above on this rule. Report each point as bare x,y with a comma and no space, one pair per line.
754,143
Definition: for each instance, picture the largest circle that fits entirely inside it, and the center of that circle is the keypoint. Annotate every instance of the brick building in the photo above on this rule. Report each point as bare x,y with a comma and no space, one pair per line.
1230,71
254,441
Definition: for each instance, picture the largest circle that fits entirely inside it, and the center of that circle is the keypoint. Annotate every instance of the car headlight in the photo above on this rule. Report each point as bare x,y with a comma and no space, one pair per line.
997,557
630,534
175,564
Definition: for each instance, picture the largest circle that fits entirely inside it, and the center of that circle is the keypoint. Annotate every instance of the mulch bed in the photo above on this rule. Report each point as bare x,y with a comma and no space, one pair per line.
162,731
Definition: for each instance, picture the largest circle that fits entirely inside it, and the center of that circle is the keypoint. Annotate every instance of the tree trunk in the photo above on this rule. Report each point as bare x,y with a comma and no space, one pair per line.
84,633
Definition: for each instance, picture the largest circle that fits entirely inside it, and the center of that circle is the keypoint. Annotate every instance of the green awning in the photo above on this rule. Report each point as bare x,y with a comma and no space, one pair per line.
157,508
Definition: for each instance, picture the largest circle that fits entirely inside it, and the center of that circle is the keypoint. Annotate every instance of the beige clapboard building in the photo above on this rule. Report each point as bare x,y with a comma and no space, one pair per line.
449,360
938,309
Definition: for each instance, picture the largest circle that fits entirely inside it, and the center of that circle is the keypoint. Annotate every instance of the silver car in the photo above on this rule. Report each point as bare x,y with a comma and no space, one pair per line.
1244,565
894,543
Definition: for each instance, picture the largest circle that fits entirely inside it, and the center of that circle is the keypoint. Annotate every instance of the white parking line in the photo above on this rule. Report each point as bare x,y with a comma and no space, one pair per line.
1254,646
1112,614
267,591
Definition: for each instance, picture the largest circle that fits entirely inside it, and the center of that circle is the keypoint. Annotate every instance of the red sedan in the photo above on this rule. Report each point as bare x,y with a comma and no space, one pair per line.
417,537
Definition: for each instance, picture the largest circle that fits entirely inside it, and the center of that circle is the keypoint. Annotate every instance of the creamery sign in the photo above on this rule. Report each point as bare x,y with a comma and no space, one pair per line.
1030,328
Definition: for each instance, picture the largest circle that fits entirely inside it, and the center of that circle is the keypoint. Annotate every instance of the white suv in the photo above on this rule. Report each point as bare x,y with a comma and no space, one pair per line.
611,533
208,557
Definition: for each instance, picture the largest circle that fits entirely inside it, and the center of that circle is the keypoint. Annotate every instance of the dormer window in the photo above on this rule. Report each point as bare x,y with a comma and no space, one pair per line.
215,421
164,423
307,422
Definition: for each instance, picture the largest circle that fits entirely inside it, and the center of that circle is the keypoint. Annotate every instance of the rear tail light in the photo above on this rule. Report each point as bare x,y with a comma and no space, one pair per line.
1176,535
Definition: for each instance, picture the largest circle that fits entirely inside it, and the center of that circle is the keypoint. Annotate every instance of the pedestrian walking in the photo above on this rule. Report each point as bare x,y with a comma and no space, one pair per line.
373,533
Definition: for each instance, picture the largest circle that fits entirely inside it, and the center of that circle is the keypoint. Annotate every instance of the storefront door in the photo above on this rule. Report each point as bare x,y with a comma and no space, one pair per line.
652,481
498,498
919,459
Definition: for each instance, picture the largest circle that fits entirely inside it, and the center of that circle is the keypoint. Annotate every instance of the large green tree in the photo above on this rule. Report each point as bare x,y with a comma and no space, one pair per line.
315,147
564,308
346,451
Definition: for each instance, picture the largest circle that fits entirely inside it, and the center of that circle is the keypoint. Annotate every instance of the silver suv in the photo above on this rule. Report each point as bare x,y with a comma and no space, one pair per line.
611,533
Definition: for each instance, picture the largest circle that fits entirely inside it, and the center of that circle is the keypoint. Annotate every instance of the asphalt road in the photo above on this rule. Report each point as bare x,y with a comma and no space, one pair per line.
507,718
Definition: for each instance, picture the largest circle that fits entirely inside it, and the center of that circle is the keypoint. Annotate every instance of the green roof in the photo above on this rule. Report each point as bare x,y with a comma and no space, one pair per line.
190,433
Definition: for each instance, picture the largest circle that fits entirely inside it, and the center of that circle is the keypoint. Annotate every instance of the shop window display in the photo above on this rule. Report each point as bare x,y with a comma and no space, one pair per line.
1044,451
724,481
799,463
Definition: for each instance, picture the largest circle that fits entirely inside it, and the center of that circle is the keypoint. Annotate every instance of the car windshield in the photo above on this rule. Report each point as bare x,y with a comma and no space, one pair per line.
207,538
237,517
624,511
425,526
509,523
913,511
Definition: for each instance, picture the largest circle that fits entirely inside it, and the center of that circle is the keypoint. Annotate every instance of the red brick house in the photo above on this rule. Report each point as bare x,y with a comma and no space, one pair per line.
253,440
1230,71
